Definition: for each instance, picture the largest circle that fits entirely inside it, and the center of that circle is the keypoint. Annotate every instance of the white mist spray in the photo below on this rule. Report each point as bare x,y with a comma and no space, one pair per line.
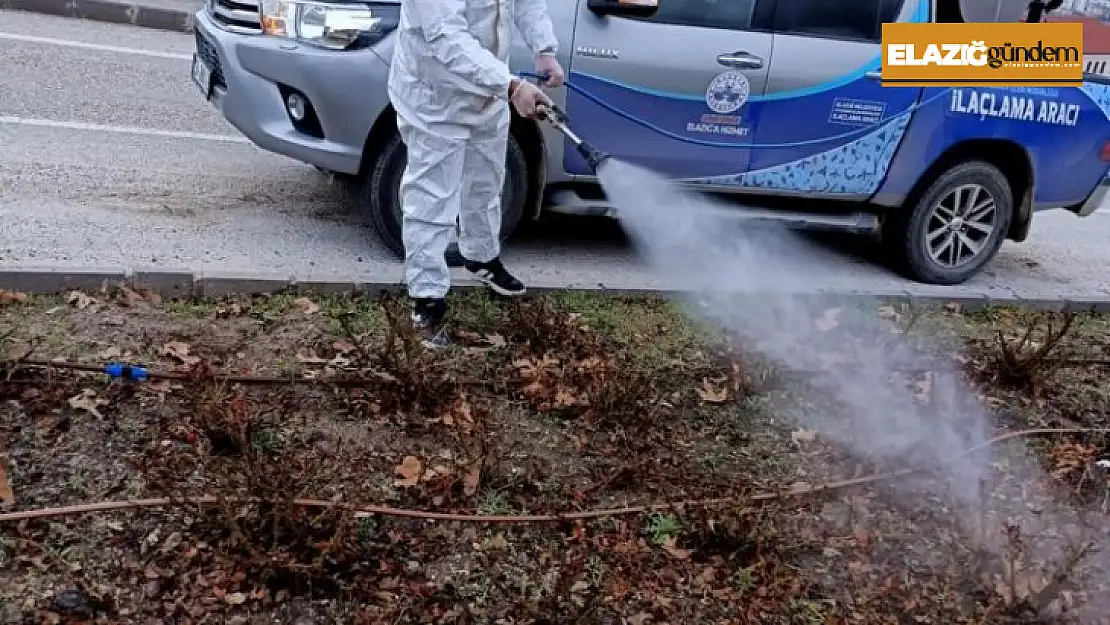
769,286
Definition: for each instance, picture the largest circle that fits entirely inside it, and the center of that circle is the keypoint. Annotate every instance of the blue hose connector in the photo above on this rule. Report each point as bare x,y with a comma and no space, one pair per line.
134,373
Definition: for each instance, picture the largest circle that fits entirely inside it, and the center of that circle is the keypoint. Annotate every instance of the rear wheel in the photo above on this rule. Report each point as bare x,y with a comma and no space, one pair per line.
955,227
379,200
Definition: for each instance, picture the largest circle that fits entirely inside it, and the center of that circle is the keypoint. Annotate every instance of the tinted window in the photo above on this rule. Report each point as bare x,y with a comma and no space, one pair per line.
731,14
956,11
841,19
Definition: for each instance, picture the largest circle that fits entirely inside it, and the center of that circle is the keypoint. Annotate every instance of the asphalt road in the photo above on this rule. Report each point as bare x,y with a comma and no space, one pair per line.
109,157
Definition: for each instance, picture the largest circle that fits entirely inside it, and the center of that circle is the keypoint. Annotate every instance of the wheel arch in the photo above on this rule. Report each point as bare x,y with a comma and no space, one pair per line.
530,139
1009,157
383,128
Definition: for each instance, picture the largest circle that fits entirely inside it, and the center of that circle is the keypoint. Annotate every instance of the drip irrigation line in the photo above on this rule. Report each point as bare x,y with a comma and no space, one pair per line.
141,373
371,510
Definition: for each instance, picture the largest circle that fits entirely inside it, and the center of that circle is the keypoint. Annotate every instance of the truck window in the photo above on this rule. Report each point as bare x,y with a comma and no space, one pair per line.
985,11
838,19
727,14
948,12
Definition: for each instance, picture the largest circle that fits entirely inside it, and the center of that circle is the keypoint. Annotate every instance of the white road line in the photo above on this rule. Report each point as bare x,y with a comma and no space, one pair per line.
129,130
95,46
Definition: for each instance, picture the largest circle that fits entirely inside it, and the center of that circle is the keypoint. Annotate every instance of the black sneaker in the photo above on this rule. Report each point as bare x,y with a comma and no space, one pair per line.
496,277
427,318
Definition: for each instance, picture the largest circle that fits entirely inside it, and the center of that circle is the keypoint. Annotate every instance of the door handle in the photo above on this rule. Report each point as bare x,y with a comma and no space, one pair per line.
740,59
874,75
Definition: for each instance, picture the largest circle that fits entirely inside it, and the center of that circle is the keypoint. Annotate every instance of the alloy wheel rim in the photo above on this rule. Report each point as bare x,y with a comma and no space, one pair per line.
960,225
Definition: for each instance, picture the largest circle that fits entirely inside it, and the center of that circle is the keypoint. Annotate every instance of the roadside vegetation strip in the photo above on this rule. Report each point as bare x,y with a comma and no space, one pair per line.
612,421
363,510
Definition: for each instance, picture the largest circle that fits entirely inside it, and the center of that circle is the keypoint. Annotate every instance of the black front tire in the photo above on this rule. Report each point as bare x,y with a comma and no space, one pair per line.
905,229
378,200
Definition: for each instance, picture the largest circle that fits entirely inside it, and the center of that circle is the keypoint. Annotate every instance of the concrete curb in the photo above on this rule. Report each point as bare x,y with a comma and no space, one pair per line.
188,284
177,20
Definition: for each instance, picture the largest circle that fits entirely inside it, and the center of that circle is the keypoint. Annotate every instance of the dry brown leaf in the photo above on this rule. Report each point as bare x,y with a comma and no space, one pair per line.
472,478
706,577
1072,457
534,388
89,402
410,471
180,351
829,320
711,394
236,598
432,472
151,296
127,297
565,399
306,305
670,545
12,297
343,347
234,310
7,495
309,357
459,414
80,300
803,435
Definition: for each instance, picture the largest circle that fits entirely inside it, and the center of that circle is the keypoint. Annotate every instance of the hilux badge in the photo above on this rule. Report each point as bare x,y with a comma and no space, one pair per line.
600,53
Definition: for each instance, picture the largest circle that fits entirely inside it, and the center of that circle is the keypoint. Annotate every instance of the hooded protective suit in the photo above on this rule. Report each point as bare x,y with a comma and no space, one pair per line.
449,82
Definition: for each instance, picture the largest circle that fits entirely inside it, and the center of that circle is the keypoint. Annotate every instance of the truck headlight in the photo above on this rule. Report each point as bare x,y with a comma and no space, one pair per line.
333,25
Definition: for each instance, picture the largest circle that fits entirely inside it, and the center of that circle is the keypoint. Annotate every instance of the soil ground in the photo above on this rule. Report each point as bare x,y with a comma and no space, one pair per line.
550,405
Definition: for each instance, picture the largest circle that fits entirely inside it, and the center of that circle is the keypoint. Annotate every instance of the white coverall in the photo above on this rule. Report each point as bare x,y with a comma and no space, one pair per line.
449,82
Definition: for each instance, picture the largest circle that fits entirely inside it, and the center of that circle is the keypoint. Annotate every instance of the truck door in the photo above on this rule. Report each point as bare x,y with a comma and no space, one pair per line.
826,127
668,92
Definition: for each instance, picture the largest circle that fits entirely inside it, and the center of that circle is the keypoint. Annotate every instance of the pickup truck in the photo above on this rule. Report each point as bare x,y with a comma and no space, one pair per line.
774,103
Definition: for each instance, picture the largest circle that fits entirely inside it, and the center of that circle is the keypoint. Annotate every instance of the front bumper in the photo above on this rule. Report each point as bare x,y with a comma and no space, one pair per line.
1095,200
347,90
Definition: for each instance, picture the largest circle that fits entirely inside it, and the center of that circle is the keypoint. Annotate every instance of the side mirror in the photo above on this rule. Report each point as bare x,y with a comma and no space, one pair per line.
628,8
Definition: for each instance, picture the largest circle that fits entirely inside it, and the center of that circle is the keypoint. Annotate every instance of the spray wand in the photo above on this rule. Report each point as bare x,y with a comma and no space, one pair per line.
552,114
555,116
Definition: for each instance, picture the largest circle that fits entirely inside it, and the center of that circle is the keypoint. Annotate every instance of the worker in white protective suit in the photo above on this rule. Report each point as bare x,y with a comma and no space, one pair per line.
451,86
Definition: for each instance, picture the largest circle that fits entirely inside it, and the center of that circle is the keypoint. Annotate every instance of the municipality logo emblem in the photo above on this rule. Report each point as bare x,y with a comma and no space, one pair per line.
727,92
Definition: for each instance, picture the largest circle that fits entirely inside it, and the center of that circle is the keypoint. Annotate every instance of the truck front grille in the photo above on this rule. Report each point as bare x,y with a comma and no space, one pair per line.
237,15
207,51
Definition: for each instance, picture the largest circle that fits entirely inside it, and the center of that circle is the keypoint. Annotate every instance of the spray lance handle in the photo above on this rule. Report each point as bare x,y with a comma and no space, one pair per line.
552,114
